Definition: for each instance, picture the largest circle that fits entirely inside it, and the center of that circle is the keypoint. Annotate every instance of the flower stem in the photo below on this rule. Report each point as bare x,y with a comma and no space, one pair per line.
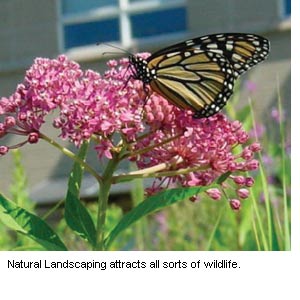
73,156
158,171
104,189
149,148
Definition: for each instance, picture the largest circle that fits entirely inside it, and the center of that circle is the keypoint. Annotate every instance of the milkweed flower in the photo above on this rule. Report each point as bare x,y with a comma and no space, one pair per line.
235,204
243,193
111,109
214,193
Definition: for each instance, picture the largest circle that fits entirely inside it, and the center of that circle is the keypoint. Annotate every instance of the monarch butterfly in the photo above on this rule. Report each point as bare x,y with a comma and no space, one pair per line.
199,73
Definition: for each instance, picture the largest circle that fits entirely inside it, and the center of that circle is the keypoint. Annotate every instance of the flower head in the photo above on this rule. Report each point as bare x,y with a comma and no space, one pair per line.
111,109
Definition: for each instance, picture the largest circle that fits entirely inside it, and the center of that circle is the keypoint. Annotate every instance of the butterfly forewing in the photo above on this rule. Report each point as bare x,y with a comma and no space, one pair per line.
242,50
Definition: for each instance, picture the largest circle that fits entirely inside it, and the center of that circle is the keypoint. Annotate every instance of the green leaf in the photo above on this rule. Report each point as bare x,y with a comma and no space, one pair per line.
21,220
223,177
77,216
152,204
245,225
275,236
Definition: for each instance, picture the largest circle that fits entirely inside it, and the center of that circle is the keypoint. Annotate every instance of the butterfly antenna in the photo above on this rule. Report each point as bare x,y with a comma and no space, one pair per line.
115,47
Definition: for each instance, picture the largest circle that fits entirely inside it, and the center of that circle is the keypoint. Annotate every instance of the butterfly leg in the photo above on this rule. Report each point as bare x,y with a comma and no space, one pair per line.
147,92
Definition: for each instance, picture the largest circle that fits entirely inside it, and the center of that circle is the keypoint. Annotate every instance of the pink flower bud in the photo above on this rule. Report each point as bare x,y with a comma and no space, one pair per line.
249,181
22,116
235,204
252,165
243,137
247,154
159,116
214,193
150,117
236,125
242,193
2,130
10,121
232,140
3,150
33,137
240,180
255,147
112,63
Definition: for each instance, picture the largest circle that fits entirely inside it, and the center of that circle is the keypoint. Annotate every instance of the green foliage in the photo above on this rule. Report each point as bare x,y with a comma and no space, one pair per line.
151,204
29,224
19,189
77,216
13,239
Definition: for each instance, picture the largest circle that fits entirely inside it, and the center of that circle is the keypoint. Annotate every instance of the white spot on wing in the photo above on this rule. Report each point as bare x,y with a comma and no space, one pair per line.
236,56
219,51
204,37
229,47
212,46
189,42
172,54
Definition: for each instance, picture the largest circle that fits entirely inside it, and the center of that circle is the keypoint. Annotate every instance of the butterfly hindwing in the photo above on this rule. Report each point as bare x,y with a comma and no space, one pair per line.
198,80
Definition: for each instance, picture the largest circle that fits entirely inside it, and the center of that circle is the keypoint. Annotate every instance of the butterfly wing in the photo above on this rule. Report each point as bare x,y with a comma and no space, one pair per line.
195,79
241,50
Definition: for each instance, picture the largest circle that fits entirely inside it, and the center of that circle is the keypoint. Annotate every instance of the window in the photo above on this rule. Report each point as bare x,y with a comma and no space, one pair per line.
286,8
92,21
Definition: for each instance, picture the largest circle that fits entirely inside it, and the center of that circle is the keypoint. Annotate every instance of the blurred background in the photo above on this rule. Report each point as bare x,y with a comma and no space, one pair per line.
42,28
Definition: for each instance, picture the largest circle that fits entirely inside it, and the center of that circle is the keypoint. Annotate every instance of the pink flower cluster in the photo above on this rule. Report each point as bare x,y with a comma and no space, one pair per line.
212,146
87,102
102,106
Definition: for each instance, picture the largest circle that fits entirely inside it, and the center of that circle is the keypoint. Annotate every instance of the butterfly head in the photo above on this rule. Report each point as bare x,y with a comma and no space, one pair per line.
140,69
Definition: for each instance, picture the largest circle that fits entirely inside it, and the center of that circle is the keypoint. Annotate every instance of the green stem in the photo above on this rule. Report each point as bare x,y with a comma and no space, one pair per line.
287,241
156,172
73,156
104,190
260,225
147,149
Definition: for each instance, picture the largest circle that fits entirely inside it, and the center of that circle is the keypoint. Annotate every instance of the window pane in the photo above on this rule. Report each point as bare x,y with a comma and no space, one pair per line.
77,6
158,22
287,7
91,33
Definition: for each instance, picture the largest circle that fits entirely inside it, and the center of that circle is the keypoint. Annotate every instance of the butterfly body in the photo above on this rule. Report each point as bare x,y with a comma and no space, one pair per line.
199,74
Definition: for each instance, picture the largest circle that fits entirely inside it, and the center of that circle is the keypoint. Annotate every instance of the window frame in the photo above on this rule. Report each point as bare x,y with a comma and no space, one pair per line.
123,11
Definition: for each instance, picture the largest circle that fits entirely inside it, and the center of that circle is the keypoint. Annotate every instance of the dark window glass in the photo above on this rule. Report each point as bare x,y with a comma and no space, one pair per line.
91,33
287,7
158,22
